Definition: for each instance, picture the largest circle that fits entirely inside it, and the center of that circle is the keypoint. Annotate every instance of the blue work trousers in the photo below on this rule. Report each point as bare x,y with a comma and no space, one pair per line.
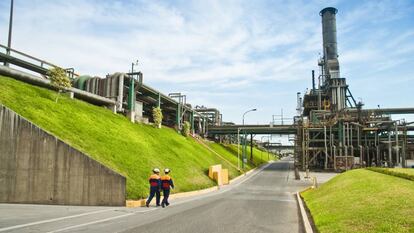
166,193
154,191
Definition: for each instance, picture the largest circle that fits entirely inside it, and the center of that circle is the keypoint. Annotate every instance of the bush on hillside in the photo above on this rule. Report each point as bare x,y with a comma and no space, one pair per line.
157,116
59,80
185,131
392,173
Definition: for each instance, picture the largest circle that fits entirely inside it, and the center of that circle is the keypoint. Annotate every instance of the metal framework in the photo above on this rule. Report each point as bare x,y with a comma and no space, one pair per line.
333,131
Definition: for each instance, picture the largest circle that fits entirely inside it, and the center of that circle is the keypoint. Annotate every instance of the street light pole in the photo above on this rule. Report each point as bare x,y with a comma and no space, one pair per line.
238,149
10,31
133,64
245,135
268,144
251,110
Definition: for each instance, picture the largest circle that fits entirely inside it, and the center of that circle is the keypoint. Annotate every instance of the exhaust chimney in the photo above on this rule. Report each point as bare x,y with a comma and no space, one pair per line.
330,50
313,80
337,85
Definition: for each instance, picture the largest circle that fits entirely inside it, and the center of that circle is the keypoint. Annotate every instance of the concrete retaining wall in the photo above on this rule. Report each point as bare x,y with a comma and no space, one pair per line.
36,167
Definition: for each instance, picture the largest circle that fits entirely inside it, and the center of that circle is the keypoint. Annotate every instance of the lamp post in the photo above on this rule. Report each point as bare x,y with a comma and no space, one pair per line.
10,31
245,136
251,110
133,64
268,144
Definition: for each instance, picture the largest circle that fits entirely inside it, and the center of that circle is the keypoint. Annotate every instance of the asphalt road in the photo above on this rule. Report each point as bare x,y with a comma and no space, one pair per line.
261,202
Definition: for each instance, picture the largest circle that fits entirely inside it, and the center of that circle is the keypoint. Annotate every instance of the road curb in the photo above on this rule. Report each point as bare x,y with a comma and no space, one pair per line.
141,202
305,220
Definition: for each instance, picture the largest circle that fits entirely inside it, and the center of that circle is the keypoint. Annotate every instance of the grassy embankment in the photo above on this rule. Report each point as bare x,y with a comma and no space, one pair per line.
406,173
363,201
230,150
130,149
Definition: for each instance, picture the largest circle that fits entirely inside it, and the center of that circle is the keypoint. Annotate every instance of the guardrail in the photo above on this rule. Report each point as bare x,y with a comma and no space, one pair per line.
29,62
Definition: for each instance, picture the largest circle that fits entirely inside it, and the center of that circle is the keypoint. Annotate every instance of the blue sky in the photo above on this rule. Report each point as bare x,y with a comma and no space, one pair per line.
232,55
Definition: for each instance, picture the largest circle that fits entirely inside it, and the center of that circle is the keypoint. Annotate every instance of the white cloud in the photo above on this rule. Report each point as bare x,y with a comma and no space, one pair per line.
235,47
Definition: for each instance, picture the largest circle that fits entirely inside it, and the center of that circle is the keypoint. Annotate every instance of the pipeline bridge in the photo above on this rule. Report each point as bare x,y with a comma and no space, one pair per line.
252,129
123,93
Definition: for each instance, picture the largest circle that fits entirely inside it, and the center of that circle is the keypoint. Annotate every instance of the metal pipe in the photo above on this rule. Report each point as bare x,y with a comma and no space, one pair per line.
334,147
120,97
376,147
404,155
384,110
326,148
396,144
35,80
313,80
389,149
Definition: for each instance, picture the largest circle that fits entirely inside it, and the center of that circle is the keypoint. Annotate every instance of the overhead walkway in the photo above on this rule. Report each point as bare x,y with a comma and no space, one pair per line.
279,147
253,129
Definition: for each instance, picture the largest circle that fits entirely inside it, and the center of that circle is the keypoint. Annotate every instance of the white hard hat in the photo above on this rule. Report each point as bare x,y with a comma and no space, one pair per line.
156,170
167,170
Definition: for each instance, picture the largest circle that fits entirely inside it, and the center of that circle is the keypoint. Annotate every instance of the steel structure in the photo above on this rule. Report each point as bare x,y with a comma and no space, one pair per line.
333,131
123,92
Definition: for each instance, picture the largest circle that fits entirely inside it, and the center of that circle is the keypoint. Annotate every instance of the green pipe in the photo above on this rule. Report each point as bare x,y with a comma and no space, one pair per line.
178,116
131,95
192,121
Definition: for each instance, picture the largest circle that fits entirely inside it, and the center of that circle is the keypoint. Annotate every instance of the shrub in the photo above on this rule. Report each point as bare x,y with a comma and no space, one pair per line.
392,173
157,116
59,80
185,131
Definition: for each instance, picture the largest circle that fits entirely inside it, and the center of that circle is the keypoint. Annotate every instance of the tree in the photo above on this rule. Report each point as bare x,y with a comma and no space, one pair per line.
59,80
185,131
157,116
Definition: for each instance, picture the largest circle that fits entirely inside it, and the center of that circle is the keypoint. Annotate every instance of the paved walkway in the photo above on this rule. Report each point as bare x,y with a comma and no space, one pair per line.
261,202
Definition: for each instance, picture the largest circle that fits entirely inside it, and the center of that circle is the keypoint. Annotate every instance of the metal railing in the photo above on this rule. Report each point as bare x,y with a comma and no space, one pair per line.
35,61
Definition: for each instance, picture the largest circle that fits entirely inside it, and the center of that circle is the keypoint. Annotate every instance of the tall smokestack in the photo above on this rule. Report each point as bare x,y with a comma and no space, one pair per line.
330,49
337,85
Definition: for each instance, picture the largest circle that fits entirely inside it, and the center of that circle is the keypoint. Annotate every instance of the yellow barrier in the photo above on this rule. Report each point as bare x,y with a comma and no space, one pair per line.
212,169
217,178
225,176
220,175
137,203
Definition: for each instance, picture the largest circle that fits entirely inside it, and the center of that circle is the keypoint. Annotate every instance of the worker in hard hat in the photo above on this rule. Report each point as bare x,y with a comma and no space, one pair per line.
155,185
166,184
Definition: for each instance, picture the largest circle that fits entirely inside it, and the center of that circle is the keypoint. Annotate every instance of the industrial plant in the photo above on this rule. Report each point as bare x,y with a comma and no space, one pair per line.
331,130
334,131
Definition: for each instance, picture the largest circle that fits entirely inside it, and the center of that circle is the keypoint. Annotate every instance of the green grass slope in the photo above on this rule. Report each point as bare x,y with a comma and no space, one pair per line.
363,201
130,149
230,151
406,173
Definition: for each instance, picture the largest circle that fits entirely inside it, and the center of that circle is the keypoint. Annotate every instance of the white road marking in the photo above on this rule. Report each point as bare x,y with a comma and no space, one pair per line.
52,220
90,223
129,214
226,189
99,221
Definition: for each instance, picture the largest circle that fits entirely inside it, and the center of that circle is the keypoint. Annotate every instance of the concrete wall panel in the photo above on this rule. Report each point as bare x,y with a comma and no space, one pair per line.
36,167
